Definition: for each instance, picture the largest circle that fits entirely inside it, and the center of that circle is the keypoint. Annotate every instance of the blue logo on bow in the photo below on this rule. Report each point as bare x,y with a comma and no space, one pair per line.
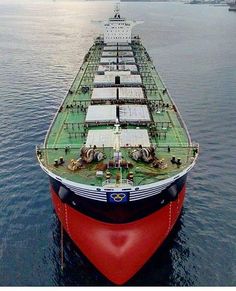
118,197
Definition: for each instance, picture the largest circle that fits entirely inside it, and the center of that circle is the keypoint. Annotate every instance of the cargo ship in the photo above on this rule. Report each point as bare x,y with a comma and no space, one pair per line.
232,5
117,155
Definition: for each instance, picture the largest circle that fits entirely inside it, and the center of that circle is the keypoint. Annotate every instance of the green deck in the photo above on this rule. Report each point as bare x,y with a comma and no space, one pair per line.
69,128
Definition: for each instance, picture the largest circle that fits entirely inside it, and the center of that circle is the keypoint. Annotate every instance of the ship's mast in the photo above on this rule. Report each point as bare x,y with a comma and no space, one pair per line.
117,133
117,152
117,10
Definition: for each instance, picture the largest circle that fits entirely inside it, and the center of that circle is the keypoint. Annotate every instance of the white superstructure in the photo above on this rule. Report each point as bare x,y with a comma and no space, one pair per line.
117,29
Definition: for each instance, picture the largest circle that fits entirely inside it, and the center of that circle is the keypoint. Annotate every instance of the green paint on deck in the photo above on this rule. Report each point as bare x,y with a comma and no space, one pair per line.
69,128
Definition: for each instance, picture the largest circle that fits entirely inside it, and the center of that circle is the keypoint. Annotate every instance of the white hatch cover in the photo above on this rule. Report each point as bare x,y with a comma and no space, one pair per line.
111,43
114,48
100,138
110,48
113,67
110,93
107,60
101,114
134,113
134,138
124,48
132,68
125,54
121,60
104,79
126,60
128,137
109,54
131,93
108,67
123,44
104,93
124,76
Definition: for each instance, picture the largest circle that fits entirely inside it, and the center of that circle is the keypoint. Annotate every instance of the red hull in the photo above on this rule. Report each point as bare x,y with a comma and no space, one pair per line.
118,250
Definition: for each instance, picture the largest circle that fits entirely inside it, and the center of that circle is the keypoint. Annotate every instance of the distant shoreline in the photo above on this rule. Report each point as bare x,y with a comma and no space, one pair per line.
138,0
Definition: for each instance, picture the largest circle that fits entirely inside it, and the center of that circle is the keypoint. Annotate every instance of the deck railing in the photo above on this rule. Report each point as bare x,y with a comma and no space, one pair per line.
110,182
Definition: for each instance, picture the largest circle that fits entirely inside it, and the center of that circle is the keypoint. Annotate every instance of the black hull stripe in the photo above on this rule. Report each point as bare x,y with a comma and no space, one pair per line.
103,197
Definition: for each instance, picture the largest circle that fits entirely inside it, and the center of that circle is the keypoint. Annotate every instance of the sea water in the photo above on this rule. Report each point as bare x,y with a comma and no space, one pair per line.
42,45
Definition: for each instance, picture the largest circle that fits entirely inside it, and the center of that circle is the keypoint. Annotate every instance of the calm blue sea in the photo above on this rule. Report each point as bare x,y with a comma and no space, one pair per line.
42,44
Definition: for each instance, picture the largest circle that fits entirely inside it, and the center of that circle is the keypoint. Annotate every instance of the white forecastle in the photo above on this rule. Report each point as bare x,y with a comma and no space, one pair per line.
117,29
